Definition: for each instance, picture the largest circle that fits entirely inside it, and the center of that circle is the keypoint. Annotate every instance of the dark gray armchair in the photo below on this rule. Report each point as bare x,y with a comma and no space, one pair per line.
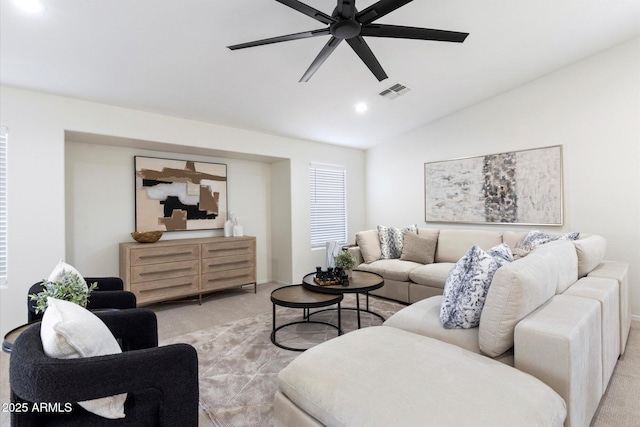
109,294
161,382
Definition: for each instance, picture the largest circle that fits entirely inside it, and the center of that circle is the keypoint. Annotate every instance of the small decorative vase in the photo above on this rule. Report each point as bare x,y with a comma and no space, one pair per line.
228,228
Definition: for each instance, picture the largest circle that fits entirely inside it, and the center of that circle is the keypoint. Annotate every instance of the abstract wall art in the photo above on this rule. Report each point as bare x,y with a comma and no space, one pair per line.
173,195
518,187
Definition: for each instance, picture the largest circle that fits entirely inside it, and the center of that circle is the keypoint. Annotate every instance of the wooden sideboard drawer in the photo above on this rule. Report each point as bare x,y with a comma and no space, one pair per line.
162,254
161,290
211,265
228,278
154,272
238,247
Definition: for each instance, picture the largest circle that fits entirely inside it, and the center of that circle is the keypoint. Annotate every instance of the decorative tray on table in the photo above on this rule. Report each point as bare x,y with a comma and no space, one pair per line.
331,277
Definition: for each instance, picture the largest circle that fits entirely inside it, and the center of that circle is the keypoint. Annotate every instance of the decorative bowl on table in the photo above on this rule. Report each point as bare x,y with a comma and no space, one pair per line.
146,236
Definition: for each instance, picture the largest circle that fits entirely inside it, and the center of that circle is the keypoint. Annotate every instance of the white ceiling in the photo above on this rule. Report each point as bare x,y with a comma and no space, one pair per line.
170,57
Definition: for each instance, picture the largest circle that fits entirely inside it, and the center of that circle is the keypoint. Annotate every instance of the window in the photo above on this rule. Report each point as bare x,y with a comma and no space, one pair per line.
3,206
328,189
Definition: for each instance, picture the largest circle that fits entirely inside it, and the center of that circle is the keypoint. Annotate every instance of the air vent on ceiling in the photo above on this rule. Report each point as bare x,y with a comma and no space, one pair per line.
395,91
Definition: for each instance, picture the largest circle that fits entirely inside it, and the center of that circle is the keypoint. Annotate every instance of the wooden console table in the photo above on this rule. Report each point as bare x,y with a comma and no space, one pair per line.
171,269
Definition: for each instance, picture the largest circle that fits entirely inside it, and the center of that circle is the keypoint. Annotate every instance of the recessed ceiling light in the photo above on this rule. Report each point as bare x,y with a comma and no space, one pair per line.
361,107
31,6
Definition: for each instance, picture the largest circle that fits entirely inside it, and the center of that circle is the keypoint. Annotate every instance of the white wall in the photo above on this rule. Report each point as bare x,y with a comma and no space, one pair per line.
592,108
37,124
100,204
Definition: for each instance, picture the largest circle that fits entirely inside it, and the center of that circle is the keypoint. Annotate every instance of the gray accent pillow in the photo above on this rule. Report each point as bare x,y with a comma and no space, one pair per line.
369,244
419,248
392,240
465,290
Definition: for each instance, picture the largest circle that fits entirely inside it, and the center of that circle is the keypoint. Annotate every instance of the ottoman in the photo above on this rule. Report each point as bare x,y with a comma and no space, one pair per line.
383,376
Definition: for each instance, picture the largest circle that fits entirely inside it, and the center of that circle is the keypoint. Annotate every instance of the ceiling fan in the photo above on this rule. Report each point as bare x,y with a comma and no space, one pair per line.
346,23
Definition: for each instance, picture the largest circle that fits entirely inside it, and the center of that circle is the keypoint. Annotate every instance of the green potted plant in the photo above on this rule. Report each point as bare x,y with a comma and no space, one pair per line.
346,261
69,288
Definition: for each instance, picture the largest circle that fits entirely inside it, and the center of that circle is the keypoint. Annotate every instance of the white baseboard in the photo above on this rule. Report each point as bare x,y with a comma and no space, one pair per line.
635,318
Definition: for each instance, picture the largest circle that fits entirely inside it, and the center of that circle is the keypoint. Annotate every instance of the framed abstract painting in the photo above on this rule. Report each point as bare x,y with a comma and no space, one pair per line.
176,195
518,187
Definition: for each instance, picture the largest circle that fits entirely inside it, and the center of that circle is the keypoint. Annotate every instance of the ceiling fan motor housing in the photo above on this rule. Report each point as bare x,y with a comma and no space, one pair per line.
345,29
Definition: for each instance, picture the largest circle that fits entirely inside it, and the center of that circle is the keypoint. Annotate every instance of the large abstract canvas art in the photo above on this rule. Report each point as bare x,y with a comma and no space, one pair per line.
173,195
518,187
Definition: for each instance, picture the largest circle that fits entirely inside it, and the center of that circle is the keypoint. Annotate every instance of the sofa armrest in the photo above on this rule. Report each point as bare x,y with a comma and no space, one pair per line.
560,343
355,251
620,272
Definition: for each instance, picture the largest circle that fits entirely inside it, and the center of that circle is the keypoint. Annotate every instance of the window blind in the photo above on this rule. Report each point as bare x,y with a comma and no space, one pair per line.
328,204
3,206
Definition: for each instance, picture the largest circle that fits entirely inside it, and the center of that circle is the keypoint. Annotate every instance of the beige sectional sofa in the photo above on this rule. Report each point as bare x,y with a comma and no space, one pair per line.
560,314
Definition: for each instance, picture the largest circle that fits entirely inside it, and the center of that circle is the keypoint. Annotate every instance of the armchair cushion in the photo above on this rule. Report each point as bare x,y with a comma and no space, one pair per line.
69,331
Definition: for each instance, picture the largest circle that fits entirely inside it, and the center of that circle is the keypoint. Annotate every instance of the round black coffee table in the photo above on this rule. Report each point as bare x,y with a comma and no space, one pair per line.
296,296
360,282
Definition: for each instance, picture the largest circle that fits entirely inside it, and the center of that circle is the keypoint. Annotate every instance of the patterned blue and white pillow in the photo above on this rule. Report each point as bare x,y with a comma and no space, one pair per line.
537,237
392,240
465,290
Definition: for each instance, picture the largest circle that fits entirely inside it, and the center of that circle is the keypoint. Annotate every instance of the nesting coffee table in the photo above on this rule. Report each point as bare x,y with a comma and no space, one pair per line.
297,296
360,282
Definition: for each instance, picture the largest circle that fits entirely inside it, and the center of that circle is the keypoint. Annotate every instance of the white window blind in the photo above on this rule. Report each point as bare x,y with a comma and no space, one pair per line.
328,189
3,206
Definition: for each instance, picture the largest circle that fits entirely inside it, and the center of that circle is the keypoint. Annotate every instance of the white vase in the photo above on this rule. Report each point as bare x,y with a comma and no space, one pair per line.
228,228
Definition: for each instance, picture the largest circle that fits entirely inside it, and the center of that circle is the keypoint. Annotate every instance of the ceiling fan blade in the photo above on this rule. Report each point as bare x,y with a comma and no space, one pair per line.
308,10
379,9
296,36
346,9
364,52
322,56
395,31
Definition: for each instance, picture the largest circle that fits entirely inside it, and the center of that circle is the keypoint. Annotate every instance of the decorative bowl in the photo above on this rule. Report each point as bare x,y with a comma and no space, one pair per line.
146,236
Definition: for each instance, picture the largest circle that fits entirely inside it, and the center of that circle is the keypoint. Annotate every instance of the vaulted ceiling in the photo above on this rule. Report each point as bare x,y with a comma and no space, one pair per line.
170,57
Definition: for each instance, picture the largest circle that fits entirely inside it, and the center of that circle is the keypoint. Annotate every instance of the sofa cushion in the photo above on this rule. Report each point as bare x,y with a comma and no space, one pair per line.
393,269
454,243
381,376
392,240
70,331
522,286
423,318
369,244
419,248
434,275
591,251
466,287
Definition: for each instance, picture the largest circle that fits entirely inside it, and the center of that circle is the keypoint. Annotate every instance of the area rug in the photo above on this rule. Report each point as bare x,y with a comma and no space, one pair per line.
238,364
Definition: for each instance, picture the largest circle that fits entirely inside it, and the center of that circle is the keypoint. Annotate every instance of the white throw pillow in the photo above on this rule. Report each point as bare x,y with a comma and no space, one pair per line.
69,331
63,268
465,290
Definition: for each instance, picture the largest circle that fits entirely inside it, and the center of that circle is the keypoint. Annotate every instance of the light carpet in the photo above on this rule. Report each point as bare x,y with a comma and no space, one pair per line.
238,364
